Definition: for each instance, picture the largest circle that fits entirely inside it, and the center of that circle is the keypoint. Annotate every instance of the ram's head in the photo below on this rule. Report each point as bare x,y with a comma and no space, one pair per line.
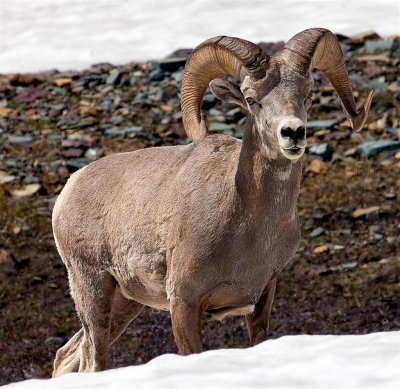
276,91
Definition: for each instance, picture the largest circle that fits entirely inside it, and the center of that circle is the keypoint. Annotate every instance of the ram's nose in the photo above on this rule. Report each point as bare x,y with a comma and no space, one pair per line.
295,134
292,132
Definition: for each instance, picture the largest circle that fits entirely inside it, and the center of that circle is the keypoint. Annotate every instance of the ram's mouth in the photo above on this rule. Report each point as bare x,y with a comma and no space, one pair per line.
294,152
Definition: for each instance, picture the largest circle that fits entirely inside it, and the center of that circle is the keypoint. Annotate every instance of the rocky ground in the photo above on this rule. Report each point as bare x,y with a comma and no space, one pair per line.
345,277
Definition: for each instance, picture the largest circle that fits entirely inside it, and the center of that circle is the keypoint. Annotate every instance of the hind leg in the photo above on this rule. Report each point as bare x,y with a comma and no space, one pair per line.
93,293
123,312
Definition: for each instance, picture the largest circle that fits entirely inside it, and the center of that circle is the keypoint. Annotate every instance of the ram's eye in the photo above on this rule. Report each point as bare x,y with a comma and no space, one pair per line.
250,101
310,95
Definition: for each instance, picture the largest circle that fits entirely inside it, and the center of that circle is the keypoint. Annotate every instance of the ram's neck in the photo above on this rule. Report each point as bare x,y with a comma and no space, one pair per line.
265,179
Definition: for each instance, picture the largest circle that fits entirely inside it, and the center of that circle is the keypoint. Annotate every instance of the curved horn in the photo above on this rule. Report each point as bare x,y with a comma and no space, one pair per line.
213,58
318,48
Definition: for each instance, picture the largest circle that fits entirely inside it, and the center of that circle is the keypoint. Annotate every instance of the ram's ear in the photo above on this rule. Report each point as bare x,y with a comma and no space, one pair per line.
227,91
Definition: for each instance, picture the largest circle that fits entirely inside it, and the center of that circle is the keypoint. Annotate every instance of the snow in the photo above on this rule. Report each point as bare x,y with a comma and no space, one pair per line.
73,34
302,361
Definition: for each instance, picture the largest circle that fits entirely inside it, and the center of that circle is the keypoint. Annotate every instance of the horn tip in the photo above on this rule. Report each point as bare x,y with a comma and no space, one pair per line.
361,118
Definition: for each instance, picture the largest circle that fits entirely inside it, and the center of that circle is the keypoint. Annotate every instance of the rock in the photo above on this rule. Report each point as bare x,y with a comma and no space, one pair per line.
321,133
387,196
376,238
156,75
317,232
92,154
373,147
378,46
209,100
321,249
373,58
56,340
363,212
377,84
115,133
20,139
363,36
6,178
172,64
27,190
321,124
394,87
63,81
72,153
220,127
113,77
317,166
30,179
177,76
337,247
375,228
31,94
167,108
323,150
75,164
117,119
5,112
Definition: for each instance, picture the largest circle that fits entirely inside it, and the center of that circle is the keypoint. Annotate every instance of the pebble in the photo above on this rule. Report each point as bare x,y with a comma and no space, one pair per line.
20,139
113,77
376,238
373,147
321,124
27,190
362,212
317,166
317,232
172,64
323,150
220,127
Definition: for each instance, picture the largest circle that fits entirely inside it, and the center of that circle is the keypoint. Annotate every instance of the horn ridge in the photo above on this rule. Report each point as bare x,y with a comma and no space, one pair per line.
221,55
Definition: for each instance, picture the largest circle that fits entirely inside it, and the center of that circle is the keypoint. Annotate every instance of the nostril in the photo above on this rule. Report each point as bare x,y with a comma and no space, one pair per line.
301,132
288,133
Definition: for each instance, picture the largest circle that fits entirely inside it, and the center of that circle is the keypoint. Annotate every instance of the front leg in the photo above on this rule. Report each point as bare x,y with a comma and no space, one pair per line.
186,320
258,321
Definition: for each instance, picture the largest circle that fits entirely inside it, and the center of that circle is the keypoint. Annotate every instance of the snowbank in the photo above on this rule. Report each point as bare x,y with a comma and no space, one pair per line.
325,361
71,34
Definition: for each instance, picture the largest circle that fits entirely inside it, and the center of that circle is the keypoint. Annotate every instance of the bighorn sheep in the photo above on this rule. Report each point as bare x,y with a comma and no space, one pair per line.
206,226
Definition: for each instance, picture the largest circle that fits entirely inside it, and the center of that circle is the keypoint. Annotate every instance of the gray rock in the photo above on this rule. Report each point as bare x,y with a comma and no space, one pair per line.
92,154
114,132
209,100
373,147
317,232
172,64
20,139
114,77
30,180
56,340
375,228
378,46
377,84
133,129
118,119
376,239
320,124
76,164
156,75
323,150
221,127
177,76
